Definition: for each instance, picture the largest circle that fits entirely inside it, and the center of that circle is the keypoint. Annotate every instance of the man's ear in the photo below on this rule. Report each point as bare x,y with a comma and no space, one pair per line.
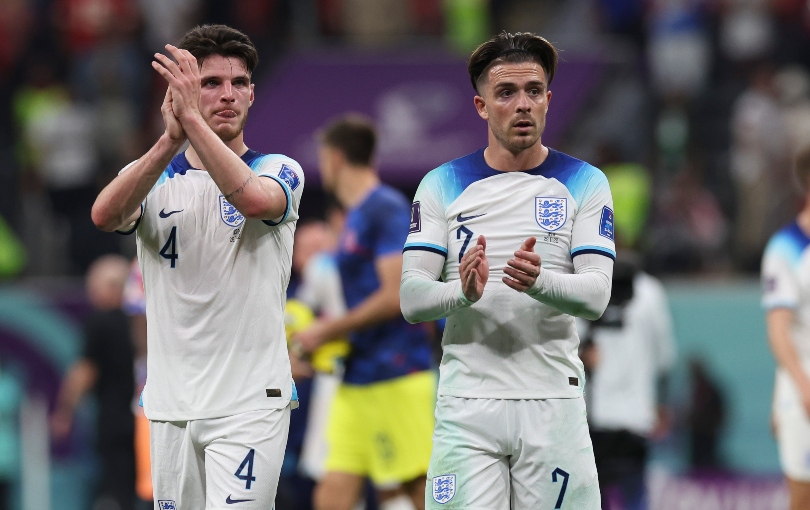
481,107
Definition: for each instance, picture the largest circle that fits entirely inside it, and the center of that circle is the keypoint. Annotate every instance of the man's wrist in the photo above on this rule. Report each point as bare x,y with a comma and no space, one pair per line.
170,144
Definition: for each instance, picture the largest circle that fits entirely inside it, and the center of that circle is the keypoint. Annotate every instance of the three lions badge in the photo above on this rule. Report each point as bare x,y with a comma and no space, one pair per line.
444,488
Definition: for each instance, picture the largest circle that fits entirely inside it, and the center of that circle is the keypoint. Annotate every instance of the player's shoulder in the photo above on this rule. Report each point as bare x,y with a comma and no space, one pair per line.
789,242
279,165
580,177
648,285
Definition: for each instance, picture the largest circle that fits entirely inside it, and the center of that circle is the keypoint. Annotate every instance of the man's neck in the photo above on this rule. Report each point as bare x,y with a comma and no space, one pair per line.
500,158
355,184
237,145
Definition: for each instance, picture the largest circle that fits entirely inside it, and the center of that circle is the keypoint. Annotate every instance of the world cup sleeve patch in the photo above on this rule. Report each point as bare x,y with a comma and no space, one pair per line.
288,175
606,223
416,218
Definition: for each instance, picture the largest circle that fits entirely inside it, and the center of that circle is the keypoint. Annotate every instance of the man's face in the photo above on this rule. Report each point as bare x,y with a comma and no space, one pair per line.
329,161
514,100
225,96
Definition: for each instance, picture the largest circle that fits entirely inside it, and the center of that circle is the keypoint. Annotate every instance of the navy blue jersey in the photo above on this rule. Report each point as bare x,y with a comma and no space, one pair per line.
378,227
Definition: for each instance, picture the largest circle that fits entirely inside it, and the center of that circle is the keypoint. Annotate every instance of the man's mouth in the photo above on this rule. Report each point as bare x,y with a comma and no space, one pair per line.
227,114
523,124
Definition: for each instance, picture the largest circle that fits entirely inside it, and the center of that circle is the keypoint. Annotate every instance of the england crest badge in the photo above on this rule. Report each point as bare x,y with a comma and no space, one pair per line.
167,504
444,488
550,212
229,214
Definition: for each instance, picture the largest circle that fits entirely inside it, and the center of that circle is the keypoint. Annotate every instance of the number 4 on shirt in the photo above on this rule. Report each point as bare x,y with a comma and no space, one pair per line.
247,465
169,250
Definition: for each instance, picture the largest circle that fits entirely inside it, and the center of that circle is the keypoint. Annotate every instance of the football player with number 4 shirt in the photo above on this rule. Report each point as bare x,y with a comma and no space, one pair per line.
510,243
214,227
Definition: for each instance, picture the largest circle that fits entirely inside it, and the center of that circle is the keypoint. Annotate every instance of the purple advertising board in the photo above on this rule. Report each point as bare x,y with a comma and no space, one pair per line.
422,105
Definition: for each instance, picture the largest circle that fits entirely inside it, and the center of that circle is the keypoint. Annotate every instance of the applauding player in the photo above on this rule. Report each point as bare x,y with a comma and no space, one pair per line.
215,228
510,243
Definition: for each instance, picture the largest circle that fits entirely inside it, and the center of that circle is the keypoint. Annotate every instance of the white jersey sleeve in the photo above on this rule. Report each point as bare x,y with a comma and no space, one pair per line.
429,226
779,283
593,227
288,174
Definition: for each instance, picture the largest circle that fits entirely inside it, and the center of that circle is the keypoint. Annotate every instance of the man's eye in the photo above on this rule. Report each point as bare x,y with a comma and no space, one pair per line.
211,83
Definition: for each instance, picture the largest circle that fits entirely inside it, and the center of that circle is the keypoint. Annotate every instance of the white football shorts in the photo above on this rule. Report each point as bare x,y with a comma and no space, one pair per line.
498,454
219,463
792,429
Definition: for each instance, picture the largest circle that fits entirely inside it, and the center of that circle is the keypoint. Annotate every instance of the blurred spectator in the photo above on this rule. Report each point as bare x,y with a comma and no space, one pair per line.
747,30
793,89
467,23
625,407
16,21
10,398
759,167
631,187
679,54
107,367
689,232
167,20
84,23
376,22
707,416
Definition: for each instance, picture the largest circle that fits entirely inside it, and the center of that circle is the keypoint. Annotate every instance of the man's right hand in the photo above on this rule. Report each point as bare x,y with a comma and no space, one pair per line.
474,270
174,130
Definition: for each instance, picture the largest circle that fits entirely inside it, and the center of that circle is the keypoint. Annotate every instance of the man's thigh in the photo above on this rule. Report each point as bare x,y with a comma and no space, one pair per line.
243,458
552,462
178,468
468,466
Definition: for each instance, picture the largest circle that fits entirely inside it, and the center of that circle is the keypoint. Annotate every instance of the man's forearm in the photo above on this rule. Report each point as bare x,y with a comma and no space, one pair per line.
122,198
422,297
237,182
583,294
378,307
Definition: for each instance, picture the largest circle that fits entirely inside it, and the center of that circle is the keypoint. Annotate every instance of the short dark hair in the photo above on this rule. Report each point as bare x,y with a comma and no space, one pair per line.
514,48
353,135
802,169
203,41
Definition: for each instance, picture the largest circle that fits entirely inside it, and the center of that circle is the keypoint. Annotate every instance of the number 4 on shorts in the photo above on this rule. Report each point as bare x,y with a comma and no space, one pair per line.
564,476
247,465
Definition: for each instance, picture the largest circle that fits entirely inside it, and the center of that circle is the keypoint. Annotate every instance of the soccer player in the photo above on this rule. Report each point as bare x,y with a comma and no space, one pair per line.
785,266
510,243
215,228
382,414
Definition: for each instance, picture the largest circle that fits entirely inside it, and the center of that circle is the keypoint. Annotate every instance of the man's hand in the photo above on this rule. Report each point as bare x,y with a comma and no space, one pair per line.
474,270
183,77
524,269
174,130
313,337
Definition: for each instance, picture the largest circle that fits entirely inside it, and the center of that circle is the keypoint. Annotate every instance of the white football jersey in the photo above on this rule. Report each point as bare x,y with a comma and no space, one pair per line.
215,293
508,344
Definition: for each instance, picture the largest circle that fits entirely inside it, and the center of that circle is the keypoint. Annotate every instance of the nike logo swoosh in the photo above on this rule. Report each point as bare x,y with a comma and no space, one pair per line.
230,501
164,214
462,219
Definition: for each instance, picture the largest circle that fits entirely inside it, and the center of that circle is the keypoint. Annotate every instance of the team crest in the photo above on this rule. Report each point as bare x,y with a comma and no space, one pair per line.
229,214
288,175
444,488
550,212
167,504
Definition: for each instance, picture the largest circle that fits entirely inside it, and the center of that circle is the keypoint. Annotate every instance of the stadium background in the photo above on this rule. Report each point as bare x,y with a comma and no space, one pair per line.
698,106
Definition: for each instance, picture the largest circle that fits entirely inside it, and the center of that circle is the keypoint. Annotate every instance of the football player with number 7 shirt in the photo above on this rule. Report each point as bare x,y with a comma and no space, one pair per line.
510,243
214,226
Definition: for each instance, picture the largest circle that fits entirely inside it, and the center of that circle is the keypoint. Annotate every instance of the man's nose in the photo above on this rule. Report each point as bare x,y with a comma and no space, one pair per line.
523,103
227,92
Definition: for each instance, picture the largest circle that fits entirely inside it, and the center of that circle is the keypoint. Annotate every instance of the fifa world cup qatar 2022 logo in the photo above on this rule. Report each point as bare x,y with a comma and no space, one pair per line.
550,212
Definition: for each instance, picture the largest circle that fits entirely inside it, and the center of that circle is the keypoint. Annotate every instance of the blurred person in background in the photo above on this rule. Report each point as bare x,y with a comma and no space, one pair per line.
510,429
625,405
785,267
107,368
215,226
382,415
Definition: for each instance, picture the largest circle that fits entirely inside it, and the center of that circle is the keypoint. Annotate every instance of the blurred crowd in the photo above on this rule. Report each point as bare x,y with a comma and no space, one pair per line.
705,103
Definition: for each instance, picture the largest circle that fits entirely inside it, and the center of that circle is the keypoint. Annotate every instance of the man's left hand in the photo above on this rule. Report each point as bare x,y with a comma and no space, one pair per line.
524,269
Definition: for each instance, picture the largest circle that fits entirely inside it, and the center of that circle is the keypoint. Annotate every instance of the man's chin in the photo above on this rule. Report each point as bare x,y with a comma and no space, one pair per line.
227,133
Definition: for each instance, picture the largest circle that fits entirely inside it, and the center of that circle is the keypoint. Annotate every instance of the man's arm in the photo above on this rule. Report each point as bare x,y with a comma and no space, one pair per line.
779,322
380,306
118,204
253,197
423,298
81,377
583,294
